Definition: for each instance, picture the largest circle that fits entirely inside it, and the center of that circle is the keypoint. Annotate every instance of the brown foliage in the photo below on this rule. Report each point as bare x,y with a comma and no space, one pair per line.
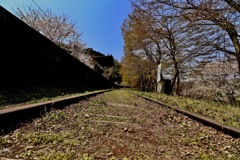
137,72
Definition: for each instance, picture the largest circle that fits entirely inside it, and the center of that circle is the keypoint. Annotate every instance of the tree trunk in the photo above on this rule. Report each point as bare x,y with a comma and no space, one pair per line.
233,34
238,60
178,85
175,77
237,49
159,84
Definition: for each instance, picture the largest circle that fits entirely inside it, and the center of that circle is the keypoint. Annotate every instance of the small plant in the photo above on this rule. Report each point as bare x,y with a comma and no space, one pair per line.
42,138
57,155
57,116
2,142
204,156
86,157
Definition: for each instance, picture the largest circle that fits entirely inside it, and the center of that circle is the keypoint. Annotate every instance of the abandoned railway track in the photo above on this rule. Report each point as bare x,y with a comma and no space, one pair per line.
117,124
11,117
213,123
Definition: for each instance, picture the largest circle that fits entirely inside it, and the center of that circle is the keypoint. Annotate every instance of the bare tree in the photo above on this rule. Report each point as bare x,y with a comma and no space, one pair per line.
57,28
152,30
220,16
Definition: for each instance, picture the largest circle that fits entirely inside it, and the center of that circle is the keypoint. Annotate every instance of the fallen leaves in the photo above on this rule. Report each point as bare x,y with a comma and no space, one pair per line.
117,125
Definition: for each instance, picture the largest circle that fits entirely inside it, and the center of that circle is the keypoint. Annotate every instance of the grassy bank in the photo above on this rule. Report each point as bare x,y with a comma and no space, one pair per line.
226,114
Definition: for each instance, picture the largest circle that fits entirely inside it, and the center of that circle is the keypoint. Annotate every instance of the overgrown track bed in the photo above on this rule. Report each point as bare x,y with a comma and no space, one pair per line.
11,118
212,123
223,113
117,125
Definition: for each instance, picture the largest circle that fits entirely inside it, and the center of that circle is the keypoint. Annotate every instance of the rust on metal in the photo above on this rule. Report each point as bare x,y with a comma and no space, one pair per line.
11,117
205,120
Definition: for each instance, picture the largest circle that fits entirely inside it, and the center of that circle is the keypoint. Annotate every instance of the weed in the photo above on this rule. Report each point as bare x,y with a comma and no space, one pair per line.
2,142
58,155
42,138
204,156
86,157
26,154
57,116
71,142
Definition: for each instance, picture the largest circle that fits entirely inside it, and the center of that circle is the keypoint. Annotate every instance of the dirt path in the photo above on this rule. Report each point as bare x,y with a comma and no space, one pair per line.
117,125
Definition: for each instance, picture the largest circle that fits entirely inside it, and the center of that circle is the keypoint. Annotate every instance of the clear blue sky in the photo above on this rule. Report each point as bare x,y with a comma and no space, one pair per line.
99,20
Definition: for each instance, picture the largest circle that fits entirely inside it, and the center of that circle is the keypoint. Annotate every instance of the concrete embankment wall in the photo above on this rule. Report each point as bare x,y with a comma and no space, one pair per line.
27,57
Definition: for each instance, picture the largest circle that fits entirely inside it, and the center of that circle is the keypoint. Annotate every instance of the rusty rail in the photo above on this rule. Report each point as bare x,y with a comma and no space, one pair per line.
205,120
11,118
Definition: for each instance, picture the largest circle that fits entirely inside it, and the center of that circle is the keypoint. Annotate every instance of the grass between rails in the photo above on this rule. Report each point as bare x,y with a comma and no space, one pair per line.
227,114
11,96
117,125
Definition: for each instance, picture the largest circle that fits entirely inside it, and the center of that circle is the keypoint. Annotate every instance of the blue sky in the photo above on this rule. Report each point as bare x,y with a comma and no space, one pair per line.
99,20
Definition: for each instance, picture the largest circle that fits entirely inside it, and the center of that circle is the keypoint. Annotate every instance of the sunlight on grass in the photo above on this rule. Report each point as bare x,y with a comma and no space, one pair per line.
226,114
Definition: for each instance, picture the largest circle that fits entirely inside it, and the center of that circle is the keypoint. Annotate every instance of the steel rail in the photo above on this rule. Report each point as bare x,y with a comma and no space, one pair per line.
13,117
235,132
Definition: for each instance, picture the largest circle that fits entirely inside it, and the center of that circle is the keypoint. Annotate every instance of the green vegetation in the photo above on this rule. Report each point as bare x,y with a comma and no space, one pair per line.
226,114
117,125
